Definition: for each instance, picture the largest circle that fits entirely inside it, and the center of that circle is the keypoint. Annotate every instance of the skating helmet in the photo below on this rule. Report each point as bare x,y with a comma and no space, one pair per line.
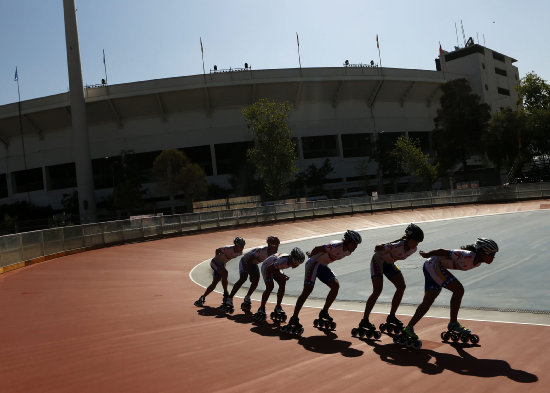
414,232
273,241
352,236
486,246
297,255
239,241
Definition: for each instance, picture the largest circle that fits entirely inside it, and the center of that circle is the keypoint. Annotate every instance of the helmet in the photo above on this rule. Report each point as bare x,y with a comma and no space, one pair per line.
352,236
239,241
414,232
273,240
297,255
486,245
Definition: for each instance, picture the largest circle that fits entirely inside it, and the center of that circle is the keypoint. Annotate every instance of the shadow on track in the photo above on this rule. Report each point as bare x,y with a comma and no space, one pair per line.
431,362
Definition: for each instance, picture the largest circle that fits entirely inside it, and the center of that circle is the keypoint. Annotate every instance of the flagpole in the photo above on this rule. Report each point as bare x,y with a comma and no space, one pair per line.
378,46
299,59
202,54
20,119
105,67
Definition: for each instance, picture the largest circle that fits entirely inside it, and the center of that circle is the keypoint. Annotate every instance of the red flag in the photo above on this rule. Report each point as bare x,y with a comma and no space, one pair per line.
377,44
440,49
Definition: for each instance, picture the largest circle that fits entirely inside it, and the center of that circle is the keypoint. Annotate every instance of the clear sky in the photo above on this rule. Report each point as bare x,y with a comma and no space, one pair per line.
155,39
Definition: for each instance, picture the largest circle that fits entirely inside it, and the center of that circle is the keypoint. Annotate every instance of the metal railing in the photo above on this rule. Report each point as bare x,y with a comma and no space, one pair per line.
27,246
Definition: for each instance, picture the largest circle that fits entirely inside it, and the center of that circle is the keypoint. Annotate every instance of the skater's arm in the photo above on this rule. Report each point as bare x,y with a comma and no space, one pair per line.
277,273
440,252
316,250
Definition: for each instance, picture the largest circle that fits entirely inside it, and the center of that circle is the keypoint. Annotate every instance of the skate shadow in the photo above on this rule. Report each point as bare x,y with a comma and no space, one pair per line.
268,330
329,344
241,318
207,311
431,362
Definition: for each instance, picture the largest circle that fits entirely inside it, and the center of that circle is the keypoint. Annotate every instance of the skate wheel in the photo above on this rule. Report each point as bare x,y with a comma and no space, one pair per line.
402,340
454,337
315,323
284,318
272,315
300,331
474,338
445,336
417,344
368,333
382,327
354,332
396,329
465,337
333,325
362,333
377,335
395,339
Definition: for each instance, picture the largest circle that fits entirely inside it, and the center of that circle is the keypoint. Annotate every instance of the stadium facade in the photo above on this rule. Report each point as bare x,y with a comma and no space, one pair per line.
338,114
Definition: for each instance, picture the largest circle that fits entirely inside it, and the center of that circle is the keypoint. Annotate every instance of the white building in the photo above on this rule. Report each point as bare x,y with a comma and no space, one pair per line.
338,112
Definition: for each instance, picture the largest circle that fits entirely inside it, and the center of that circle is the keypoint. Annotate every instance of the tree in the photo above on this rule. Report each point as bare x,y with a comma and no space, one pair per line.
461,121
312,179
176,172
274,152
413,161
533,93
386,165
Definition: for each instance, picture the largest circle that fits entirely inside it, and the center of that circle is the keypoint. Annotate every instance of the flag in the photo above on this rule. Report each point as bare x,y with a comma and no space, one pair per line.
297,39
377,44
202,49
440,49
16,76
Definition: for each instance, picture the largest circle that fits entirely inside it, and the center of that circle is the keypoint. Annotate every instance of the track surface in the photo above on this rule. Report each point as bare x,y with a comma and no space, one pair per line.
122,319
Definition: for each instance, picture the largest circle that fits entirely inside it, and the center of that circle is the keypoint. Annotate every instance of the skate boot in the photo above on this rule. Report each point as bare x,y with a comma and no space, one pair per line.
392,325
278,315
366,329
260,315
408,338
246,305
325,321
227,305
293,327
200,301
455,332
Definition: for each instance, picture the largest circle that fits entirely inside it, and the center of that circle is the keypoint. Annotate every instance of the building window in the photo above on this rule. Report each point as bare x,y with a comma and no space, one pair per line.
504,92
105,170
320,146
28,180
356,145
62,176
144,162
200,155
3,185
500,71
230,157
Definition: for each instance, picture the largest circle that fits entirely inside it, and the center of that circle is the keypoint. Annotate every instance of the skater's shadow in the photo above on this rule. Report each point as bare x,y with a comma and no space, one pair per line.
207,311
267,329
432,362
240,318
329,344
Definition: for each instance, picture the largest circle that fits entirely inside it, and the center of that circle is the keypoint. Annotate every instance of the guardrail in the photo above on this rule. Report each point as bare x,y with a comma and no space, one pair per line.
28,246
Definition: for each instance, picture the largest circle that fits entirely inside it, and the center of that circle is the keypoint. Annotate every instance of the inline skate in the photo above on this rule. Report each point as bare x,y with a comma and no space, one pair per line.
227,305
408,338
293,327
278,315
325,321
246,305
366,329
260,315
456,332
200,301
392,325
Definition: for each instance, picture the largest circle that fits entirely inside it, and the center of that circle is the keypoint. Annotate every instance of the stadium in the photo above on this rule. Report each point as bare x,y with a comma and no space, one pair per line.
338,114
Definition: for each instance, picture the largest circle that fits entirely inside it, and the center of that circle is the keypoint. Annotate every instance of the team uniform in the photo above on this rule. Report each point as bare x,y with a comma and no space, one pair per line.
383,261
258,255
317,265
218,262
436,269
278,261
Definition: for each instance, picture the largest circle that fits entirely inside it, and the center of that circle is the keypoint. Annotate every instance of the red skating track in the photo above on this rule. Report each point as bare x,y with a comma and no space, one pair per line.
122,319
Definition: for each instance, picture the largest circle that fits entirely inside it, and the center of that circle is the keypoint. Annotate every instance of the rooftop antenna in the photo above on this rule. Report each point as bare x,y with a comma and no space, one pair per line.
483,39
477,37
456,31
463,36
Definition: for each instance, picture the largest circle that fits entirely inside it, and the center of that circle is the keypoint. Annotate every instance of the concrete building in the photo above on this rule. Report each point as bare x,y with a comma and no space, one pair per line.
338,114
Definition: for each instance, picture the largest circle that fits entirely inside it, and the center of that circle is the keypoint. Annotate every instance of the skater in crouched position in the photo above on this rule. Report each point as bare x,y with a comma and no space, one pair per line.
437,276
317,266
271,271
248,266
383,264
222,256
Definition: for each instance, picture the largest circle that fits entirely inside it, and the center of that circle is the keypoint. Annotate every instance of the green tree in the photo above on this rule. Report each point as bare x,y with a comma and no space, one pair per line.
413,161
386,165
312,179
274,152
533,93
461,121
176,172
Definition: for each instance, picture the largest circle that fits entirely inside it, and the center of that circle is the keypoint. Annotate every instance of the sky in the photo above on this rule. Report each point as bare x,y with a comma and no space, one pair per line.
154,39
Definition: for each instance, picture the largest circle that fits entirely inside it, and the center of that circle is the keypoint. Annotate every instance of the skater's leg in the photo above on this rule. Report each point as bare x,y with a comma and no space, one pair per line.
238,284
400,286
302,299
224,283
254,279
458,291
429,297
212,286
280,292
377,285
334,286
268,289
